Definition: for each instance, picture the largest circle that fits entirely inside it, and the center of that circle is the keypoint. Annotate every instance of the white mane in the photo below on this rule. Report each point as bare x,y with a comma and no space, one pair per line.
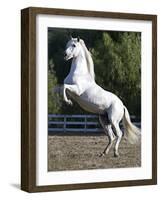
89,59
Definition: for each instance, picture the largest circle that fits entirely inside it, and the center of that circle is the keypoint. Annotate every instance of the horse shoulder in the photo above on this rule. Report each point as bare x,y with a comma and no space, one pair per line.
68,79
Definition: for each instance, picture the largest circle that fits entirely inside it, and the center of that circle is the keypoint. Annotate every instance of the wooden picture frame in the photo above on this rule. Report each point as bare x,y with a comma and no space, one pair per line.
28,98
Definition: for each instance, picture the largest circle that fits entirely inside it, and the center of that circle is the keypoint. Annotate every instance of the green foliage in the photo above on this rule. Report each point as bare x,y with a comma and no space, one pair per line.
117,67
54,99
57,40
117,61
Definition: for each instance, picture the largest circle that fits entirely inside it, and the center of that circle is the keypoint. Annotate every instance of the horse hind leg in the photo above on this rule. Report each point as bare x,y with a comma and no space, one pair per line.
118,137
111,138
108,130
115,114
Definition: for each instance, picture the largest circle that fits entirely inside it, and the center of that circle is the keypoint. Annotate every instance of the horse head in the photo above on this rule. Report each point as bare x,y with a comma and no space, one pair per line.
73,48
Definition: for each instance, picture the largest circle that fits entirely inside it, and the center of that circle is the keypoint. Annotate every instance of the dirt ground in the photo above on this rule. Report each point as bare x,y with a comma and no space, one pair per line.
77,152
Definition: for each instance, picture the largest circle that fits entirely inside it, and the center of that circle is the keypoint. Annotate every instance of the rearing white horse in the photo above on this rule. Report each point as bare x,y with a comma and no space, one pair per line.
80,86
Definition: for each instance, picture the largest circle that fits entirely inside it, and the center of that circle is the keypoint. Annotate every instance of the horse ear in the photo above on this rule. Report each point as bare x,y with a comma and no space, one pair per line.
78,39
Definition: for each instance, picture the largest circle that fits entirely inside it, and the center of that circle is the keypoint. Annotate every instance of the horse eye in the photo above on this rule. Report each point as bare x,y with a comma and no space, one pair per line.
73,45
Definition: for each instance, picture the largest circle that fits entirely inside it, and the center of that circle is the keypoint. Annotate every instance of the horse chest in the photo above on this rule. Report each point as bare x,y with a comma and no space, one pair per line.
70,79
79,80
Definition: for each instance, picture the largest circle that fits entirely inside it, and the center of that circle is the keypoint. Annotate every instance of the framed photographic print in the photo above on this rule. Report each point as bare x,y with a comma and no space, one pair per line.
88,99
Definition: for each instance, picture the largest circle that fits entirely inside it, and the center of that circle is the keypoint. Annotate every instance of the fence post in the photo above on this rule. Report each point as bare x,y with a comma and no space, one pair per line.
61,123
85,125
64,127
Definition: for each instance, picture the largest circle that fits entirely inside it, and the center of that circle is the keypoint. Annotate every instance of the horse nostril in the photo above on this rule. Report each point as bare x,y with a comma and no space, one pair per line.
65,54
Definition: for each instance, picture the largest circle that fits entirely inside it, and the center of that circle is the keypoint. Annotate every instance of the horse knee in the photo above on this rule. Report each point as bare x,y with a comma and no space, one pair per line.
111,140
119,134
111,135
117,129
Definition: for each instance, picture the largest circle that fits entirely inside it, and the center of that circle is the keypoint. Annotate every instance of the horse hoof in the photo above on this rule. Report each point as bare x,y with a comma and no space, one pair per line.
101,155
116,155
69,102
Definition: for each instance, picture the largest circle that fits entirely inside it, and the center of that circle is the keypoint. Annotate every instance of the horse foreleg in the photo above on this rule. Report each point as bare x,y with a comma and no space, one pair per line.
68,101
71,88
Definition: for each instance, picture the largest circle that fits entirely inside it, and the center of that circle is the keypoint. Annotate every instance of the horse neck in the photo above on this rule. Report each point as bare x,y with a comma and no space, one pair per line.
89,61
79,64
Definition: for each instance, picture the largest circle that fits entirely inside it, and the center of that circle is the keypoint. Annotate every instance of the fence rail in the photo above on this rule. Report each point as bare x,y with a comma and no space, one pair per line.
78,123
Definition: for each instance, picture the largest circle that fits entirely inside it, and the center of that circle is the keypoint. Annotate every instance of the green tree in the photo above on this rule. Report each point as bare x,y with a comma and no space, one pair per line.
54,99
117,62
117,67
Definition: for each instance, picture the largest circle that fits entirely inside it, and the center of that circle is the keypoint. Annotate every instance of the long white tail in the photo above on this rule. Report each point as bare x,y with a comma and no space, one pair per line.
131,131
